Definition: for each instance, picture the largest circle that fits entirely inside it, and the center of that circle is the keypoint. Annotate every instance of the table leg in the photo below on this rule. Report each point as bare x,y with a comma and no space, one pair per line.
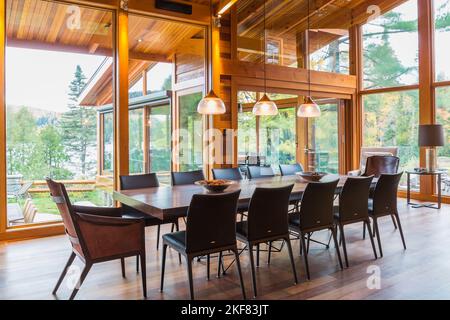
439,191
408,189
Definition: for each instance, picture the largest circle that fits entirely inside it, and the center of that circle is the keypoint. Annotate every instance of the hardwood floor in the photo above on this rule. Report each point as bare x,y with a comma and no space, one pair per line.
29,269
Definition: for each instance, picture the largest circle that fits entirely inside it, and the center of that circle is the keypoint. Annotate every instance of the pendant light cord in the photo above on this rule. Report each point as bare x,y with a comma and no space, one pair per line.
211,43
265,48
307,54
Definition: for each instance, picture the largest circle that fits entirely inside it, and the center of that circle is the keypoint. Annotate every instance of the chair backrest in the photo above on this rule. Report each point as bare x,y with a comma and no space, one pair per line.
316,209
227,173
376,151
139,181
385,194
188,177
255,172
377,165
60,197
354,198
290,169
268,212
211,221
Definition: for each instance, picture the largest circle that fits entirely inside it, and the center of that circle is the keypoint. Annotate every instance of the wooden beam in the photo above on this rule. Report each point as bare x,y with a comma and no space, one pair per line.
121,134
3,169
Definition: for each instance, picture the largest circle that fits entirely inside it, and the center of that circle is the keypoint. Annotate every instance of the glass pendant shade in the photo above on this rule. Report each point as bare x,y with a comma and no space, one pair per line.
308,109
265,107
211,104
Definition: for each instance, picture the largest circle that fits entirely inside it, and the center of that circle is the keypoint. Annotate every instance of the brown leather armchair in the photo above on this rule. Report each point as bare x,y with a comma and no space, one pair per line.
378,165
98,234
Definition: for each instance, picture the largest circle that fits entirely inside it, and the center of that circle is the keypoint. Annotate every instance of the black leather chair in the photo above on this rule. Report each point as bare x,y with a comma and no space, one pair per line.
187,177
210,228
231,174
255,172
140,181
227,173
316,213
267,221
384,203
290,169
353,208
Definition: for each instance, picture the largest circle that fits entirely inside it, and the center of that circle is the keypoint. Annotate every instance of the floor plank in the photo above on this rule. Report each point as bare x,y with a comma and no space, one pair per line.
29,269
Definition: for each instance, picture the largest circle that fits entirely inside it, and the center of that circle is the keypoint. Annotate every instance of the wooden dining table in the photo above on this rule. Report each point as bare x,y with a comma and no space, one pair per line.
166,201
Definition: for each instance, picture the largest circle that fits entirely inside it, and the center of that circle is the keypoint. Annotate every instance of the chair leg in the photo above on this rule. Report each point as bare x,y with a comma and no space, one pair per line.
367,224
344,245
83,275
291,257
238,266
364,229
270,252
163,267
64,272
257,255
309,241
377,233
137,264
337,247
401,230
122,263
189,269
144,274
393,221
157,236
219,264
208,263
252,266
177,228
305,255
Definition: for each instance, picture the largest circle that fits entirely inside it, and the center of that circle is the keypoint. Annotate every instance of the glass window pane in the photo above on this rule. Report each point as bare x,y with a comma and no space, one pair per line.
160,142
191,133
323,140
442,39
390,48
159,77
391,120
136,137
332,54
108,142
58,72
277,138
443,117
246,136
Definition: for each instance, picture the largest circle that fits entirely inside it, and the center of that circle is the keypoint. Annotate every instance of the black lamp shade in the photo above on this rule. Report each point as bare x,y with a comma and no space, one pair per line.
431,135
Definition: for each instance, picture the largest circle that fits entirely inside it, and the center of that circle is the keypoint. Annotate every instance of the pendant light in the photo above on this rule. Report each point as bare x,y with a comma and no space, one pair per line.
211,103
265,106
308,109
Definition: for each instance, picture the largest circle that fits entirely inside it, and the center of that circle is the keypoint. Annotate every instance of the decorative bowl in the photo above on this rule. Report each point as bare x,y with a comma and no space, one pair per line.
217,185
311,176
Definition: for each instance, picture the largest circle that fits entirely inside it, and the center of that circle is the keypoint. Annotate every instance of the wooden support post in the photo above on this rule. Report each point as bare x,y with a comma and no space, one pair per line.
121,154
3,171
426,94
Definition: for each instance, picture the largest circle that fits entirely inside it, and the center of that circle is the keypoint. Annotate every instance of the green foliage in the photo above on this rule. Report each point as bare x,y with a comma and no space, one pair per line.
79,128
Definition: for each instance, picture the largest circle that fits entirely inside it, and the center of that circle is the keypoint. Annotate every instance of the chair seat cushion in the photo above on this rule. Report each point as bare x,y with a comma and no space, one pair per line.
242,229
176,240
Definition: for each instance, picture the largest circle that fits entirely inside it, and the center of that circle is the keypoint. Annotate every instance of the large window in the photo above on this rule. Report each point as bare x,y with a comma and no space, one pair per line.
191,132
51,114
443,117
332,54
391,120
160,142
323,139
136,136
390,48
